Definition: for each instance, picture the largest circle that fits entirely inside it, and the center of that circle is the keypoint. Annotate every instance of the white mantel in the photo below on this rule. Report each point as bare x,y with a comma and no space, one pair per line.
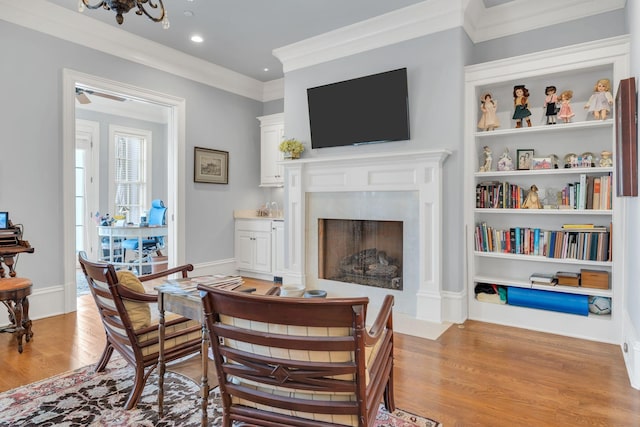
416,171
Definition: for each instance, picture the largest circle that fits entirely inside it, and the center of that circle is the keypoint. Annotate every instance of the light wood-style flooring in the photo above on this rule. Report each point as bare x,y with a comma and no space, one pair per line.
476,374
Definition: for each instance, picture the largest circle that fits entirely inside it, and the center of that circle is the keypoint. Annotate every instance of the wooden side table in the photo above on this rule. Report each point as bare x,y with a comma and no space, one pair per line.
13,294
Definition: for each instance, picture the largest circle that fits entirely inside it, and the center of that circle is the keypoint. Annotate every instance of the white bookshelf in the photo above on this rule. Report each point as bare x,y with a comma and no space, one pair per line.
574,68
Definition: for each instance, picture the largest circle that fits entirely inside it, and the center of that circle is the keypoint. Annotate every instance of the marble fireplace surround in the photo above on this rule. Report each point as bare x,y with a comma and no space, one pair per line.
416,174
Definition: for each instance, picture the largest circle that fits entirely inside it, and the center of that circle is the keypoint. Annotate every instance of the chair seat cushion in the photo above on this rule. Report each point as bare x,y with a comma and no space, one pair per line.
180,329
139,312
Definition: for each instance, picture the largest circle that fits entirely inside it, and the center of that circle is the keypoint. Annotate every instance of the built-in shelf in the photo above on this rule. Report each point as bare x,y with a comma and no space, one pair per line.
560,127
600,212
557,288
544,259
542,172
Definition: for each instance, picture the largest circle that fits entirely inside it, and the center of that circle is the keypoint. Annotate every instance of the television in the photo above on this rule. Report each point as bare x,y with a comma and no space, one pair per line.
363,110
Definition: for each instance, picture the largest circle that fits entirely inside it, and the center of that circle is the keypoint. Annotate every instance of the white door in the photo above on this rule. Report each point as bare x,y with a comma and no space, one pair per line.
87,193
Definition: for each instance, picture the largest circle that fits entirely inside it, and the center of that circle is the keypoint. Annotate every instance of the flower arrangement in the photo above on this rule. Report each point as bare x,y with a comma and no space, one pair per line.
291,146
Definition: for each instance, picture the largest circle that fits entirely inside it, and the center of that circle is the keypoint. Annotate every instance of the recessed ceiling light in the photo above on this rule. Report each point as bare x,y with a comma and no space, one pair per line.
188,13
265,69
196,38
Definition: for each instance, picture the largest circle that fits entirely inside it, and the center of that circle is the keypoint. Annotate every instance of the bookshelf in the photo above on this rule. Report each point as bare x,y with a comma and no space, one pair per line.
566,193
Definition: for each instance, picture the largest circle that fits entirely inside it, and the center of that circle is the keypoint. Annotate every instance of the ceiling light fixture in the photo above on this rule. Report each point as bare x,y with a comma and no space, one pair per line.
124,6
196,38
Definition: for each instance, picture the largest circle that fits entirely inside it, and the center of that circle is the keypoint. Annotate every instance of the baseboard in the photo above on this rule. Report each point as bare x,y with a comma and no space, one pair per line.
225,266
43,303
631,351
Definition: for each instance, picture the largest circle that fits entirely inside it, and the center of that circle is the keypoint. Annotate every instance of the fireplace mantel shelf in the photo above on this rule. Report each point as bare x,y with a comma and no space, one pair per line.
439,155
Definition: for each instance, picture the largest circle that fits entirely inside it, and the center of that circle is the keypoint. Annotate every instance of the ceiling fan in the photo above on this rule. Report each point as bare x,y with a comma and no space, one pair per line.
81,96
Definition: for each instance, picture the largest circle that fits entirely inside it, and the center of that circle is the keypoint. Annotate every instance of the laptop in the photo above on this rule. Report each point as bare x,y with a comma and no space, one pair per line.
4,220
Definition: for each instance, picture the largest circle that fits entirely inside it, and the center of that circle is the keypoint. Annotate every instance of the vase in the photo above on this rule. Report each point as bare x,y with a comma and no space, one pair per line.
291,156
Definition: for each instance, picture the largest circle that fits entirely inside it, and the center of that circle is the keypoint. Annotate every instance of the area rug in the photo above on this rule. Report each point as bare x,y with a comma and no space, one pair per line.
85,398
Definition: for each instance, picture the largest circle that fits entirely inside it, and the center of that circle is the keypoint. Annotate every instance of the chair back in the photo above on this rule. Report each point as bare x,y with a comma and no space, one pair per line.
157,213
103,283
295,361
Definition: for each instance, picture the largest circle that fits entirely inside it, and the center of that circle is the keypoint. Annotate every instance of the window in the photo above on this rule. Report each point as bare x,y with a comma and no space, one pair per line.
129,171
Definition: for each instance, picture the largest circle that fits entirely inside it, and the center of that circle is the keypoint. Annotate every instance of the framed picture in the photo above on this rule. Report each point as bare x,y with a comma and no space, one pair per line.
211,166
541,163
524,159
626,139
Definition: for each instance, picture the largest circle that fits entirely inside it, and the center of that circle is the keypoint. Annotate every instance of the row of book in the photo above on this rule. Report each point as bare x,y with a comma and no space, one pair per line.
590,192
587,243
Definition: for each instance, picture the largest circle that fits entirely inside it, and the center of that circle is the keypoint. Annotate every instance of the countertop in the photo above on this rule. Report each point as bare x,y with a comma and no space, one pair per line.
253,214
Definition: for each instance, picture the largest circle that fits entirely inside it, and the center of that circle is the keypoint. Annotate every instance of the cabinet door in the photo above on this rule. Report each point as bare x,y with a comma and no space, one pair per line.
277,248
245,248
262,245
271,173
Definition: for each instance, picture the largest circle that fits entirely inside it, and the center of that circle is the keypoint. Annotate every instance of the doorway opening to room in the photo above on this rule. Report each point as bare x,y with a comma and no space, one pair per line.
90,157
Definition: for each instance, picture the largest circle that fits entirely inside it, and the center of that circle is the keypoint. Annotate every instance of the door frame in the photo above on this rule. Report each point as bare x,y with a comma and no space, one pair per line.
176,167
92,128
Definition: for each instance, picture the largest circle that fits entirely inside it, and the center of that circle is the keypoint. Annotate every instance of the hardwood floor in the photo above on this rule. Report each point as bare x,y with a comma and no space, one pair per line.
476,374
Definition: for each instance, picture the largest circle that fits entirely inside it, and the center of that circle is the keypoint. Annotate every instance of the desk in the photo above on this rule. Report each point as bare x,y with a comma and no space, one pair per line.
130,232
8,253
179,296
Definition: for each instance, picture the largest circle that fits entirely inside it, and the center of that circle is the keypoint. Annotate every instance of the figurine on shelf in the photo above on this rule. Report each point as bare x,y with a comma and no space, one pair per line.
606,161
489,119
532,201
550,104
566,112
486,167
505,163
521,106
601,101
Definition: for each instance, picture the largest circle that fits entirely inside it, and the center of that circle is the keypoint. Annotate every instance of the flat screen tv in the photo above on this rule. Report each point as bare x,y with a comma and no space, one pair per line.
364,110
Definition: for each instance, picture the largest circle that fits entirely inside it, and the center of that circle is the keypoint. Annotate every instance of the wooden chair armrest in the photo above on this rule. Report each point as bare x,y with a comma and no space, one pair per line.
180,269
382,321
130,295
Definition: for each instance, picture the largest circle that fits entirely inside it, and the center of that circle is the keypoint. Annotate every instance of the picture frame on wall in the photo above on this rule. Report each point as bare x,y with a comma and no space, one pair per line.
626,139
525,157
210,166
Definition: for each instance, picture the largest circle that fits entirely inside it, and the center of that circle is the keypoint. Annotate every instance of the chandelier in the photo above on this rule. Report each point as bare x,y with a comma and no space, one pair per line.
124,6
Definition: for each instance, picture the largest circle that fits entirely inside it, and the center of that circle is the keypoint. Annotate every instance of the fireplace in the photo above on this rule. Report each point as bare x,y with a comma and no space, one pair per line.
403,188
365,252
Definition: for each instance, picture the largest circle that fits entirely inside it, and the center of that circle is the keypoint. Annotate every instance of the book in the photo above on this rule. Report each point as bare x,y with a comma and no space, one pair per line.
578,225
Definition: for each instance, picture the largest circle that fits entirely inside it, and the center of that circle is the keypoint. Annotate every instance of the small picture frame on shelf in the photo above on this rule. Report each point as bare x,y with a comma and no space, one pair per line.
524,159
538,163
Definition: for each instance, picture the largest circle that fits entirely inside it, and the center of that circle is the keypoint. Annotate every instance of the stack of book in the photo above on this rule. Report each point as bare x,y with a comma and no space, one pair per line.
546,279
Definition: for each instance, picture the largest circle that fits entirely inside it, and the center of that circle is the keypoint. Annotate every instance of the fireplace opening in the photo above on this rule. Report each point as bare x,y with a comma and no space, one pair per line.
366,252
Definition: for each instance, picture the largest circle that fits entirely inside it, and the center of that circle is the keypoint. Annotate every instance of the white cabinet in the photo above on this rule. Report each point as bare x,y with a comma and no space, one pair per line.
575,68
259,247
253,245
271,134
277,248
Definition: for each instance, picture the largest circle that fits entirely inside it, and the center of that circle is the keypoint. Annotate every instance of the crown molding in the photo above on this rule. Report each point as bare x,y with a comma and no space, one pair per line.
482,24
410,22
56,21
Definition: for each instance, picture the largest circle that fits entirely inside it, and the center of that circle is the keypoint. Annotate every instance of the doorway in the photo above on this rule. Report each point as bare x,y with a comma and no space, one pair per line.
175,166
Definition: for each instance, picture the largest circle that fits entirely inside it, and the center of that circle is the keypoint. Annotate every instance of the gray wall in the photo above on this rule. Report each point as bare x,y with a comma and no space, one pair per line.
31,161
436,90
435,66
158,155
632,205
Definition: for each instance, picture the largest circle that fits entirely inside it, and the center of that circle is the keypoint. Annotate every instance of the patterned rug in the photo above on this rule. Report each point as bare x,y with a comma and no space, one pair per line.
85,398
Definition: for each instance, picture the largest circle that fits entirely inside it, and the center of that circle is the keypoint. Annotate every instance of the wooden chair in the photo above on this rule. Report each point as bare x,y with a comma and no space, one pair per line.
298,361
124,308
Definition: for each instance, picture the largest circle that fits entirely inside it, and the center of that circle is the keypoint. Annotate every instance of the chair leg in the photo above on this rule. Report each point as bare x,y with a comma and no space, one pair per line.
136,392
104,359
389,401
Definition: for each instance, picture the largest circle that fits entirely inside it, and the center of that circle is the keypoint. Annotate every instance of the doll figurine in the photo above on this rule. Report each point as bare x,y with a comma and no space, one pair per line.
566,112
505,163
521,105
550,104
489,119
532,201
601,101
486,167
